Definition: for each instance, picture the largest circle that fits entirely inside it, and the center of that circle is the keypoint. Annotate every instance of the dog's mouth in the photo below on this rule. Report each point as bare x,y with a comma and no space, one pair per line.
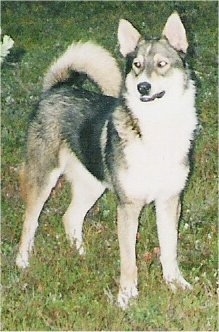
151,98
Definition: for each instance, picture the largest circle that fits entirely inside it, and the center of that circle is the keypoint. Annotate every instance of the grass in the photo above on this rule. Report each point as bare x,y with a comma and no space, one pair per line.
60,290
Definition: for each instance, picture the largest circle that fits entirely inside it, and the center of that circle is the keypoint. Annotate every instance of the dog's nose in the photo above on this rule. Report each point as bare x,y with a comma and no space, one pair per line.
144,88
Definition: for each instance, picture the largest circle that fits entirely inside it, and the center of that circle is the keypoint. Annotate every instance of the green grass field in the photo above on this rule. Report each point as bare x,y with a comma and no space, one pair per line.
60,290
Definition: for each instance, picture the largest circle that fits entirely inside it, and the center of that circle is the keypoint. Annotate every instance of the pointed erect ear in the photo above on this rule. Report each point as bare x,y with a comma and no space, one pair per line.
128,37
175,32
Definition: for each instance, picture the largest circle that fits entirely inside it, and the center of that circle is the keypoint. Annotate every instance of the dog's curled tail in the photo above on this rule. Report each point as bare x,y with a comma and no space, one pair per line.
90,59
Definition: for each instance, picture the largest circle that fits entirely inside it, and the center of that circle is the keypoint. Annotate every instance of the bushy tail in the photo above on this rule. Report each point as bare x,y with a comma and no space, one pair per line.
90,59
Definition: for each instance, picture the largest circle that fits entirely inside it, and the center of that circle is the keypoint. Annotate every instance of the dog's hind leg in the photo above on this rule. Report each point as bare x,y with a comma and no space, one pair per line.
168,212
127,229
86,189
83,199
36,197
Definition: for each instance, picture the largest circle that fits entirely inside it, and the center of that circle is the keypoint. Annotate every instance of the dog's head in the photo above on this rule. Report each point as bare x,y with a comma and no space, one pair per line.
155,68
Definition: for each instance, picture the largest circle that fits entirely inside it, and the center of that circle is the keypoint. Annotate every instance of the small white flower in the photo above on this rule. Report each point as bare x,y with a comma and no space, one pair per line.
186,226
6,44
197,244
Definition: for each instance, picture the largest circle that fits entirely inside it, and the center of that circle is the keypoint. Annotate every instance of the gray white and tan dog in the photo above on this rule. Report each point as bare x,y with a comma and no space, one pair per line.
133,138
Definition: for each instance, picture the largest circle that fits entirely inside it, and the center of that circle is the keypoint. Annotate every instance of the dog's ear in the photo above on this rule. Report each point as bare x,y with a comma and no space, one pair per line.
175,33
128,37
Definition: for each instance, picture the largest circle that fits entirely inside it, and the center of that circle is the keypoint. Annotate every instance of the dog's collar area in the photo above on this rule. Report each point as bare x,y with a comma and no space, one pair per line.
151,98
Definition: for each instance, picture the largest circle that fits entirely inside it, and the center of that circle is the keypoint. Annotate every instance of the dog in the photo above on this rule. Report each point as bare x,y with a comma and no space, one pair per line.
134,138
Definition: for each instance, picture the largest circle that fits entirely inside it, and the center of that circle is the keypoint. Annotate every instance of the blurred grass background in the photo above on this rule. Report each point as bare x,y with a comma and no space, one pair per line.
60,290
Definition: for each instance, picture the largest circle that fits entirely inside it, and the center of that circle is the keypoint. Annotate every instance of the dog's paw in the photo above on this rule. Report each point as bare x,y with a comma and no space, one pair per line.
78,244
22,261
81,250
178,282
125,295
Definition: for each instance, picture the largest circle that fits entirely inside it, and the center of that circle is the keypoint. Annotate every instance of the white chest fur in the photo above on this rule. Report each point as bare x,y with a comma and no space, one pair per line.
157,162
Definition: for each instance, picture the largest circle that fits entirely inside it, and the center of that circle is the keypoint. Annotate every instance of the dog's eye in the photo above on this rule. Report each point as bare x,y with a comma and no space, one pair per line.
161,64
137,64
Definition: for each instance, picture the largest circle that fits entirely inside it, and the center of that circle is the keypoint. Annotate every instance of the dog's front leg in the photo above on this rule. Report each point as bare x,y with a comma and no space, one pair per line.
127,216
168,212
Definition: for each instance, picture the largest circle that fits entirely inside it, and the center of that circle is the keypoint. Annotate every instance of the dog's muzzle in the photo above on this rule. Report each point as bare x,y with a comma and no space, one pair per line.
144,89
